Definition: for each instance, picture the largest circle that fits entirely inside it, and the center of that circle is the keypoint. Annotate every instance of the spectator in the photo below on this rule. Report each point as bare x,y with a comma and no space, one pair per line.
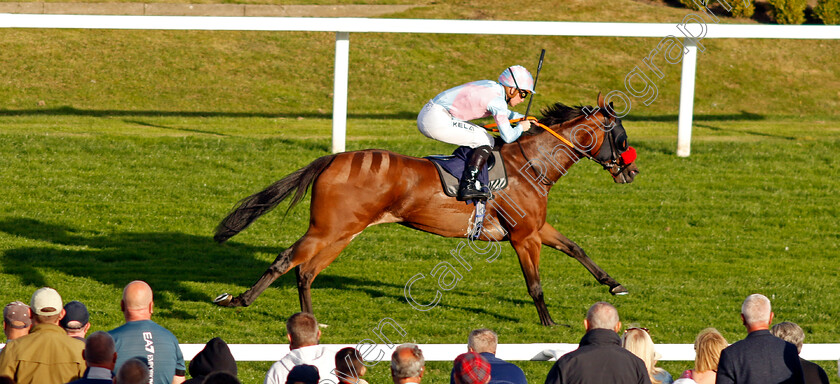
407,364
303,374
142,337
349,367
17,320
707,347
471,368
599,358
638,341
76,321
133,371
792,333
304,335
221,377
761,358
100,356
215,357
26,359
484,342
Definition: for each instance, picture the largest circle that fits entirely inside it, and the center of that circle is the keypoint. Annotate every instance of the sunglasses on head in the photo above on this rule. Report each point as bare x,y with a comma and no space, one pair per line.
640,328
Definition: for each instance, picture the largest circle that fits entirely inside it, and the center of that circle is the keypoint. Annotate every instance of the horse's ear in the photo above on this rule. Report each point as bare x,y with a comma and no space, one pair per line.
601,101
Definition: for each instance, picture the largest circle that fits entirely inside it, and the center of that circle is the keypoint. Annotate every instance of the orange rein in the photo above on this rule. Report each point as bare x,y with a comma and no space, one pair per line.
543,126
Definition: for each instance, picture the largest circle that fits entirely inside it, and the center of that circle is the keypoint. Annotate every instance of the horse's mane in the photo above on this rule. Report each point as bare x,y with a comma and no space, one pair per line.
560,113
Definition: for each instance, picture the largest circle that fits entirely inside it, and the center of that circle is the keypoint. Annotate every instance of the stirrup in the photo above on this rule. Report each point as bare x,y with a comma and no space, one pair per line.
468,193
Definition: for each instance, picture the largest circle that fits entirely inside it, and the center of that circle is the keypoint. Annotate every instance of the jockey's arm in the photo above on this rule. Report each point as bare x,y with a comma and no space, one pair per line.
508,133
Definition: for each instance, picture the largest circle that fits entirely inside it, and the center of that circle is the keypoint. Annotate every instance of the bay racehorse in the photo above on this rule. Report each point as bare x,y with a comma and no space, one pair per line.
354,190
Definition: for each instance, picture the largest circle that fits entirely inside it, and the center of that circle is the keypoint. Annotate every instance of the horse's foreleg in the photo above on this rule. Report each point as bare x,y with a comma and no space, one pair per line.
528,251
552,238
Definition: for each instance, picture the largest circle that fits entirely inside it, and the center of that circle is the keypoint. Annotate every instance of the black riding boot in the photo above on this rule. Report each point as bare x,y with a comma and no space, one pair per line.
470,188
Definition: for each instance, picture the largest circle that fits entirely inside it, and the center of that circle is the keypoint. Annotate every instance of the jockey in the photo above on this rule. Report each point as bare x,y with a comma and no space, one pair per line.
446,118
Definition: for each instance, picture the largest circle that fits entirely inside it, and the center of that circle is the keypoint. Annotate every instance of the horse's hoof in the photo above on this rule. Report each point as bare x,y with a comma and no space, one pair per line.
223,300
618,290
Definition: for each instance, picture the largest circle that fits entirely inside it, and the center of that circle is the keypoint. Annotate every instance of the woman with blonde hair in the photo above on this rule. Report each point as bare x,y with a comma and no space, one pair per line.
638,341
707,348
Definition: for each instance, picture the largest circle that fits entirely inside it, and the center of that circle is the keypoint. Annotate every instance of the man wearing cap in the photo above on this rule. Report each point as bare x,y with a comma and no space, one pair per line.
471,368
76,321
484,342
46,355
141,337
16,320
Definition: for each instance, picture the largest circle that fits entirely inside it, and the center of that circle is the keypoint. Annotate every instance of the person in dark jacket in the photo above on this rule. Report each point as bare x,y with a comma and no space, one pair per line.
215,357
100,355
484,342
792,333
599,358
761,358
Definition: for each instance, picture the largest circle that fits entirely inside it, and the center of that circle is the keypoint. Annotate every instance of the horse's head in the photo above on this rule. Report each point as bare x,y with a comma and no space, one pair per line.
611,148
596,134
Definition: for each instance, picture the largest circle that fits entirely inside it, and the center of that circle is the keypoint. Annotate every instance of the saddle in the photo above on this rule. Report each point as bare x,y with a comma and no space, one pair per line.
451,168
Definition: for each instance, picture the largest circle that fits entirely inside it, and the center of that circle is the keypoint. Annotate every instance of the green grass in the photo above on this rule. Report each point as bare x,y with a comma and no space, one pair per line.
88,212
123,149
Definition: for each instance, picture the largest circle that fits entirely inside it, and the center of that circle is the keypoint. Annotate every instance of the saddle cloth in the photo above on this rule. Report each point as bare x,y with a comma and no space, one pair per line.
451,168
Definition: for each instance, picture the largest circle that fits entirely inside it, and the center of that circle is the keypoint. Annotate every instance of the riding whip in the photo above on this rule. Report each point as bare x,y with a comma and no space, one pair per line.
539,68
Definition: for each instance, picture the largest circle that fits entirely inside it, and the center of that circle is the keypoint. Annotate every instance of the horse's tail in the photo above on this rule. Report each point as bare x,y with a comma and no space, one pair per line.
252,207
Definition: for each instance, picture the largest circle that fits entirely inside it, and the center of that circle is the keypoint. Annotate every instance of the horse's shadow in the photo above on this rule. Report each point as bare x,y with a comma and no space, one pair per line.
163,259
166,260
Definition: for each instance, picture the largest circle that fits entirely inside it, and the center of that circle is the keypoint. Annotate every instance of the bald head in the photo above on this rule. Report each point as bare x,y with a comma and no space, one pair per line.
602,315
100,351
137,301
407,362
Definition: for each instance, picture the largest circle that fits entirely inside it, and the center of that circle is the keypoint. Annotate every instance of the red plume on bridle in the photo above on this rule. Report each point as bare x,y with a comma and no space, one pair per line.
629,155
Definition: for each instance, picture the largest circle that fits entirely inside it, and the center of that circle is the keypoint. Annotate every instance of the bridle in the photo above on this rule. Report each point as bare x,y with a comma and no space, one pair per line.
617,161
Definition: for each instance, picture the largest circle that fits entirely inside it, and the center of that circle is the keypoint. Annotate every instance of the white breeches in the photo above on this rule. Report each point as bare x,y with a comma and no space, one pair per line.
435,122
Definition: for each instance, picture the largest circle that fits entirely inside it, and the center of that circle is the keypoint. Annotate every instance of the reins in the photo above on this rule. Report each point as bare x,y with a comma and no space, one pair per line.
545,127
606,165
545,181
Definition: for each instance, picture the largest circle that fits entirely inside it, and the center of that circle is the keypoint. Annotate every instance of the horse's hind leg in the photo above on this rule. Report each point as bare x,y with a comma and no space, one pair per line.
278,268
304,249
552,238
307,271
282,263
